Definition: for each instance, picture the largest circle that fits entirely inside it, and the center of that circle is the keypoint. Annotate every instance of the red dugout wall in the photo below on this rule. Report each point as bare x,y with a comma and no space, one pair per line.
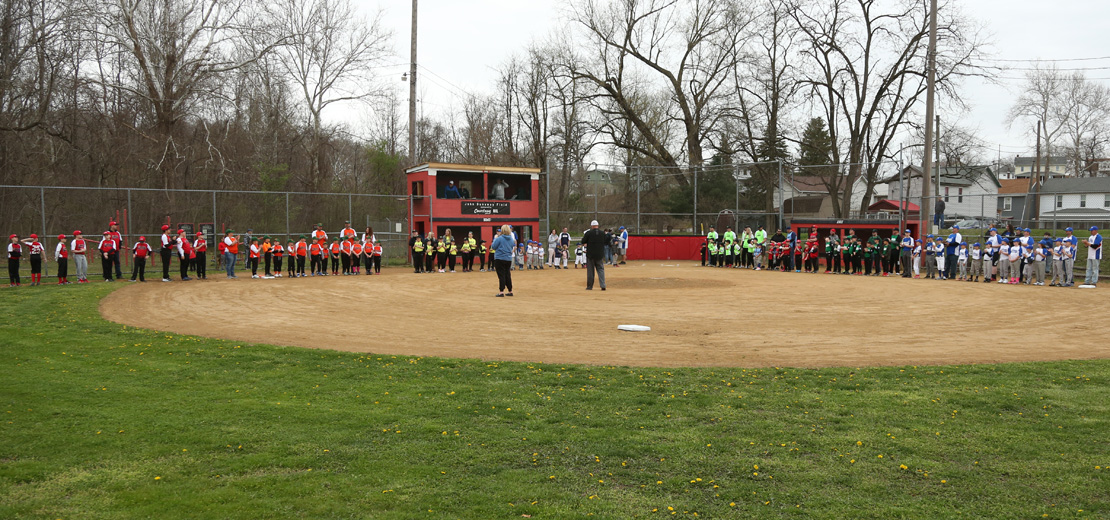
667,247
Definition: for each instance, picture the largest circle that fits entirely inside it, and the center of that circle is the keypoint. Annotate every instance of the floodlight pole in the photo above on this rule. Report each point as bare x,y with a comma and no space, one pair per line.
412,89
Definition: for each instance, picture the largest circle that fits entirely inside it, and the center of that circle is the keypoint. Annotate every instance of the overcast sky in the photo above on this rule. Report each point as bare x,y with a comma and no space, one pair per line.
462,42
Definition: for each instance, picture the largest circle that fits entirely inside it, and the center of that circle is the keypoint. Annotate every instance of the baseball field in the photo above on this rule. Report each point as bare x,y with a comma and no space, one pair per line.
755,395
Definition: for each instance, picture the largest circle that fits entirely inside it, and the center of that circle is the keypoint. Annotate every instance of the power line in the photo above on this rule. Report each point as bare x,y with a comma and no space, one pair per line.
1049,60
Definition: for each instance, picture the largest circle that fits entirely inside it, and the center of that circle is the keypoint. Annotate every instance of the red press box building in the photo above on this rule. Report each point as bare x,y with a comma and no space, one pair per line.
468,197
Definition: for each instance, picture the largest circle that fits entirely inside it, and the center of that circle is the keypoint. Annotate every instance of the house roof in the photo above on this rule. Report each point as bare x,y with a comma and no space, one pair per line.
1073,185
471,168
1013,187
1078,213
1030,161
810,204
887,204
950,175
808,184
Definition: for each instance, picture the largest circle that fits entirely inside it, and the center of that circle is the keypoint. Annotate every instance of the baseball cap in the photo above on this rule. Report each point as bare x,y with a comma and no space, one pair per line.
963,243
77,232
976,244
908,231
112,223
13,235
61,237
33,235
929,236
1026,230
199,234
1058,240
1006,240
1093,228
1068,229
165,227
142,239
955,227
180,231
107,232
593,223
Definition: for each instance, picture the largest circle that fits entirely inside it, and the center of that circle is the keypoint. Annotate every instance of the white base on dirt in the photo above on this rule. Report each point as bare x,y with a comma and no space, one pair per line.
1086,286
633,328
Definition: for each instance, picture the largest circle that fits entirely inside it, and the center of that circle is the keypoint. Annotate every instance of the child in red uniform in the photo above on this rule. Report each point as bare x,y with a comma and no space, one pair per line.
80,261
200,247
37,255
107,248
15,252
186,252
141,251
61,255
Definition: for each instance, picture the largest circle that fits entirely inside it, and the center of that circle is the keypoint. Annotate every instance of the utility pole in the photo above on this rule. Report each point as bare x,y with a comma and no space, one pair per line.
412,90
1034,177
930,111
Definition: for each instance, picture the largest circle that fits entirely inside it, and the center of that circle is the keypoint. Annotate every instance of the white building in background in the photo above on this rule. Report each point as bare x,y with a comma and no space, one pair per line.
1055,166
968,191
1075,200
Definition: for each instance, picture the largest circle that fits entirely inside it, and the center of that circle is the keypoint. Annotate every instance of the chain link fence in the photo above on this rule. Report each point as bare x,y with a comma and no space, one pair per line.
50,211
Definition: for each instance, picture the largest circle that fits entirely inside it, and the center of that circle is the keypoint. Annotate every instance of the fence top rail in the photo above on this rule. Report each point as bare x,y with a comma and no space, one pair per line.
103,188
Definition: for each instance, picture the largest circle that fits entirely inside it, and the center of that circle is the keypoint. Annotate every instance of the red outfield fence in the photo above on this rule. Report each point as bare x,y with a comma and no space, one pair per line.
666,247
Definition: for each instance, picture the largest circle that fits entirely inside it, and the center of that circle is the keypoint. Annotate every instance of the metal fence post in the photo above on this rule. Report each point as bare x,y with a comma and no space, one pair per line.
42,200
638,199
782,195
350,214
695,228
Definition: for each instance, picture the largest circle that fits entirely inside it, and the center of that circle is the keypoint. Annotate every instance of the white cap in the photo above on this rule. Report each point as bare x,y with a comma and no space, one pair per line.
593,223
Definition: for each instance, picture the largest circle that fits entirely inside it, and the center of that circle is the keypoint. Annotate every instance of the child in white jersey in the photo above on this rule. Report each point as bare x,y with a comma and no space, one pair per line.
1004,261
962,257
1015,262
975,260
1039,256
1058,278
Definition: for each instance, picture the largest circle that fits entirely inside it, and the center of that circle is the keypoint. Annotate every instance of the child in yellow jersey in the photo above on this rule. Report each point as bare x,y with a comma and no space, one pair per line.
452,254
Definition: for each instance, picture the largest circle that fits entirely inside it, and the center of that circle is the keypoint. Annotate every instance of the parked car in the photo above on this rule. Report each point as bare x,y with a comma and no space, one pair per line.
972,223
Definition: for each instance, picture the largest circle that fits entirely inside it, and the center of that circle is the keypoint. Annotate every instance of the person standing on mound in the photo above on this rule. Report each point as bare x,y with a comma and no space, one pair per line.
595,240
503,248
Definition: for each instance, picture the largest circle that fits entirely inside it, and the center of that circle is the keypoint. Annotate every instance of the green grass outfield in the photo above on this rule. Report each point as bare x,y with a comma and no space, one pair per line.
106,421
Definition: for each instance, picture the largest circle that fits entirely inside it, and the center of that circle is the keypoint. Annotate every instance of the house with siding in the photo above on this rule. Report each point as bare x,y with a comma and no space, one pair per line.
968,191
1055,166
1011,199
1075,201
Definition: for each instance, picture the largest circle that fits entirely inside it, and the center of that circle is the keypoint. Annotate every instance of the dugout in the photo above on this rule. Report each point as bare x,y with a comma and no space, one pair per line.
861,227
488,197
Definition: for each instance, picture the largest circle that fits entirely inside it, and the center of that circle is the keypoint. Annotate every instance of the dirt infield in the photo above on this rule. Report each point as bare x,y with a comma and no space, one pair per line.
699,317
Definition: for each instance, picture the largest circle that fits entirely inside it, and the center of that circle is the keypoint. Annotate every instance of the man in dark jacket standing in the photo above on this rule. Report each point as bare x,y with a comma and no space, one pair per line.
595,241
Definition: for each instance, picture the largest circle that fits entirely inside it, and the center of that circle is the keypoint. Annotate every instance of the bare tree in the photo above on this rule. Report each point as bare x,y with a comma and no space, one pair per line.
685,47
866,74
1083,109
329,53
173,56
